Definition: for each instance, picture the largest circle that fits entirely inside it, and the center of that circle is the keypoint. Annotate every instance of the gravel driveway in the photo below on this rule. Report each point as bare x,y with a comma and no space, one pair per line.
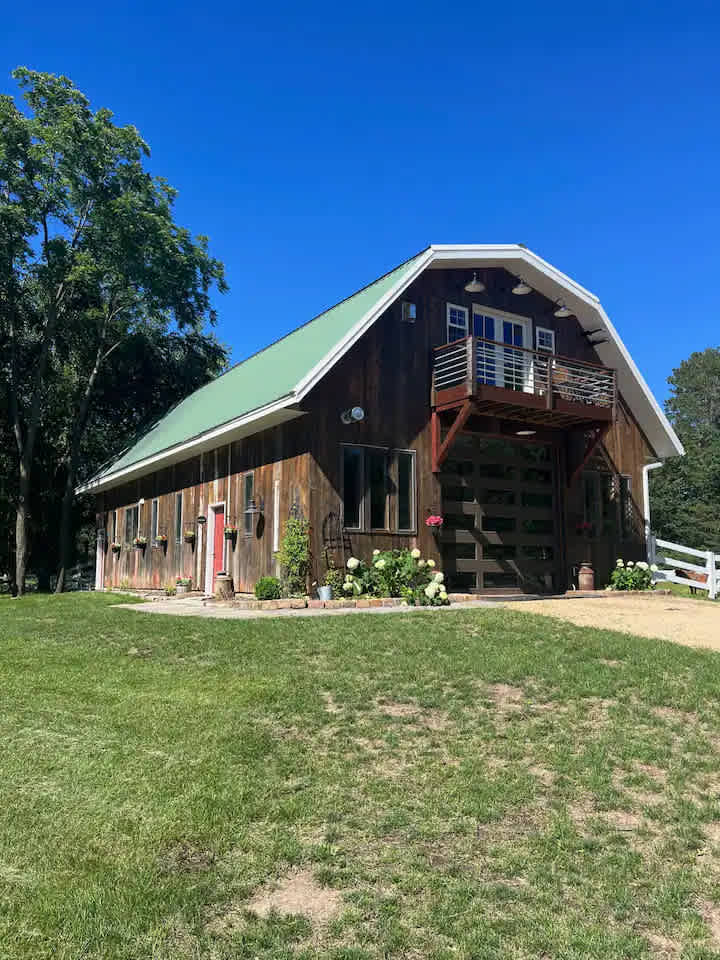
695,623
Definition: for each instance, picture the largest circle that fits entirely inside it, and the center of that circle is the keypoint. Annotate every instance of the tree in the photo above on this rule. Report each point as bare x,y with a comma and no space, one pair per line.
685,494
91,258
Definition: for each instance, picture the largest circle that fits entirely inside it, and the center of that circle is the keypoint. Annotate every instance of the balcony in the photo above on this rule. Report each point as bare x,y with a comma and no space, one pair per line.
515,383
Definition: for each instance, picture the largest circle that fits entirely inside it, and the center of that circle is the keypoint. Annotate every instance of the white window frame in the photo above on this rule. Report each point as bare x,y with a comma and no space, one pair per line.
155,518
248,534
550,333
448,323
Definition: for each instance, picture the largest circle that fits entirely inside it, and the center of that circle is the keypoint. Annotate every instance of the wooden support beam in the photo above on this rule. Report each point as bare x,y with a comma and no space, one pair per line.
434,440
444,448
598,435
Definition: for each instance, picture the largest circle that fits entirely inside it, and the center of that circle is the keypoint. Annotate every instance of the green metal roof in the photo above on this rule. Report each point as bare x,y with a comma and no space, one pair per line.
262,379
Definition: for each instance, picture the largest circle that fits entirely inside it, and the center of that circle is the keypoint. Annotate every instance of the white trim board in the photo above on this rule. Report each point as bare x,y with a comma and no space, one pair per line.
515,258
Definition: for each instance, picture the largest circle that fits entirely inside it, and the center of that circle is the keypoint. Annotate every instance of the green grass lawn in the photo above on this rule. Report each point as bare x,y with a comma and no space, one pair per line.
471,784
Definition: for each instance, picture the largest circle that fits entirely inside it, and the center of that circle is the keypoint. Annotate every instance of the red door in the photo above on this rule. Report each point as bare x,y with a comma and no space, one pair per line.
219,541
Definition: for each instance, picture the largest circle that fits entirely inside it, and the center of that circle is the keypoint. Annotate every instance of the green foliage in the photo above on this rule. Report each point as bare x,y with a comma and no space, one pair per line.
396,573
632,576
334,578
104,300
294,555
685,493
170,589
268,588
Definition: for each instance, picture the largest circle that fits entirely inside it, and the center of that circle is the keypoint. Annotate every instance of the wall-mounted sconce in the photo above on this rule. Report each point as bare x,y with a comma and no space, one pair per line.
202,519
352,415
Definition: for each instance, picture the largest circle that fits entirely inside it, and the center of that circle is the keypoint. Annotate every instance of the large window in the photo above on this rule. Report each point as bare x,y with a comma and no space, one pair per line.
178,518
114,526
378,489
132,522
154,519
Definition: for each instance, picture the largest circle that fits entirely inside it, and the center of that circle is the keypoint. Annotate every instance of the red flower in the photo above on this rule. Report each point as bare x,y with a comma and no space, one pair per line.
434,521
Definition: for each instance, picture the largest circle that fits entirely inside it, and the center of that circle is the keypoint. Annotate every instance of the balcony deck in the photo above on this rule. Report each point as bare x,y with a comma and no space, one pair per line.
516,383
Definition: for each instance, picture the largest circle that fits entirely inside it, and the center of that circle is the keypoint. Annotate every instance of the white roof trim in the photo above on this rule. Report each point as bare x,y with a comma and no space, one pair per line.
541,275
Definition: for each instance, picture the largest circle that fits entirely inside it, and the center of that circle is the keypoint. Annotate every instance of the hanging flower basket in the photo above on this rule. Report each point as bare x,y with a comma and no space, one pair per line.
435,522
189,536
140,542
116,547
230,532
160,540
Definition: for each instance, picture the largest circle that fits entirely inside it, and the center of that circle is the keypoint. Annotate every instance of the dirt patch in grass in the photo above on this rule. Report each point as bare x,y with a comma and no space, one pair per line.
330,705
186,858
432,719
506,698
710,912
663,947
296,893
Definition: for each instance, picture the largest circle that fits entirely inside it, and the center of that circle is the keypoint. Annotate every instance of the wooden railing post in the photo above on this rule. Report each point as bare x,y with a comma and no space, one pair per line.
471,374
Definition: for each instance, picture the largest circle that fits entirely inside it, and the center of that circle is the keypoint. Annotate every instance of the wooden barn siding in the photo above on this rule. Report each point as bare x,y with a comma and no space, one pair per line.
278,453
388,373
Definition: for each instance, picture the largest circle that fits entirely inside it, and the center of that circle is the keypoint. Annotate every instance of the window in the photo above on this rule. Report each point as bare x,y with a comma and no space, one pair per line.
114,526
353,486
377,464
545,339
154,531
457,322
409,312
626,508
276,516
249,504
378,489
178,518
132,522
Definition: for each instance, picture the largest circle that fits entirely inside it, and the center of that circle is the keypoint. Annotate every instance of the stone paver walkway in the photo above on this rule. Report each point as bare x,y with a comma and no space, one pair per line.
196,607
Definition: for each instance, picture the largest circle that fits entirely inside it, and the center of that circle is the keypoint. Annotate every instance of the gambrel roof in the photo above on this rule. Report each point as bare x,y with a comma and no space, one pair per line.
267,388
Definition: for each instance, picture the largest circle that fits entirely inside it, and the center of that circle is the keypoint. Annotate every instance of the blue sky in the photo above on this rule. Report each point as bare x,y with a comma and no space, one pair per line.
319,145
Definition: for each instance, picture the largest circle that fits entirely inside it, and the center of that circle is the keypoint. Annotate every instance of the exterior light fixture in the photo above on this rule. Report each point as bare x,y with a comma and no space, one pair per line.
353,415
562,311
202,519
521,288
525,433
474,285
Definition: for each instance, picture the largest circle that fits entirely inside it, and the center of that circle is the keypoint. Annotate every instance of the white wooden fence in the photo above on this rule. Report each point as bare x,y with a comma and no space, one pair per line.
672,567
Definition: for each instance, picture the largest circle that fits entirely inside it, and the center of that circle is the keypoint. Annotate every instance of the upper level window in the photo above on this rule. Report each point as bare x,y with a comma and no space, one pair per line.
545,339
457,322
378,489
409,312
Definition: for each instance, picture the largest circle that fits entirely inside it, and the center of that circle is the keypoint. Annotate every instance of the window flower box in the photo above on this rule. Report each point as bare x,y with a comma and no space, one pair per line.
183,585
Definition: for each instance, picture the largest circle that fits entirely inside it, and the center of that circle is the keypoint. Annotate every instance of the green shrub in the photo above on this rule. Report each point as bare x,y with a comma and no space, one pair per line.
268,588
334,578
294,555
632,576
397,573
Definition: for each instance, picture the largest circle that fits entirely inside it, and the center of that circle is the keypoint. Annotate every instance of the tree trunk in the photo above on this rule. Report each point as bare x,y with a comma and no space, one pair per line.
21,529
66,531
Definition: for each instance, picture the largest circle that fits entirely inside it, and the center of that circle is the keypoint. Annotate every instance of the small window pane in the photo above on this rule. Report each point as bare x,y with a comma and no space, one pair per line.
377,482
499,551
506,497
498,524
248,494
406,491
462,582
459,521
352,487
537,500
178,518
464,551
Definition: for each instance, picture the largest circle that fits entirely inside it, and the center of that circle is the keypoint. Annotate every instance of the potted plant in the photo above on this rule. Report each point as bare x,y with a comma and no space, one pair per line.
182,585
332,585
161,540
434,522
115,546
230,531
140,543
189,536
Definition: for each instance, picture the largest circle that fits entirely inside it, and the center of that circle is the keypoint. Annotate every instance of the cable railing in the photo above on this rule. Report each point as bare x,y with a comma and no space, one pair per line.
475,362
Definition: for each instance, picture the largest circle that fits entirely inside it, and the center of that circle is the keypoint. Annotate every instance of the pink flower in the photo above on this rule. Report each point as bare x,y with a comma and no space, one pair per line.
434,521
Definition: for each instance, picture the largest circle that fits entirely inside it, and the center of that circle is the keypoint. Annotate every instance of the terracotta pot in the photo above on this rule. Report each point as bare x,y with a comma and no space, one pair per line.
586,577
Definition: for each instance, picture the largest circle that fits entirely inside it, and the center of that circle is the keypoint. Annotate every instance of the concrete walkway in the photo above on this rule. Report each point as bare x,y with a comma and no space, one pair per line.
197,607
